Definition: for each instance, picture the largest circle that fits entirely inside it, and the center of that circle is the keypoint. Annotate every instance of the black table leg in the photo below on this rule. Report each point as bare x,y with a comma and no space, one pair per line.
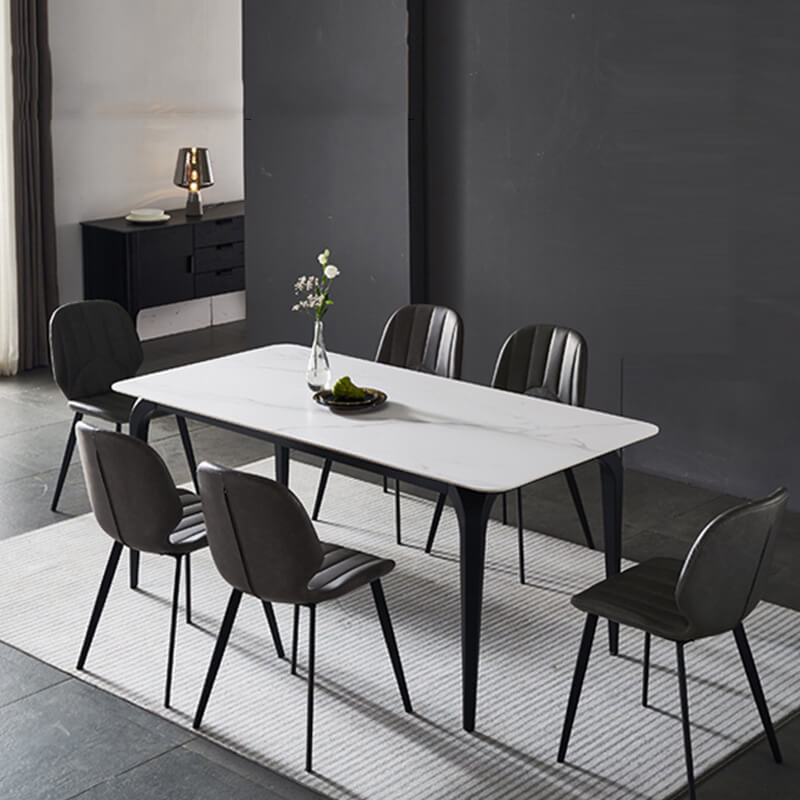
472,509
611,482
282,464
139,425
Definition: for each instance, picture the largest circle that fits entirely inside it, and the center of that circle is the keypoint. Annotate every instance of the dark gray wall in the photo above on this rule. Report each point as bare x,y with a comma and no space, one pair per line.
630,169
325,164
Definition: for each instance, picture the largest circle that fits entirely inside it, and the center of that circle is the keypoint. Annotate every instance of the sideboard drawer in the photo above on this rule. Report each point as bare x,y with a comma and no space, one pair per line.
219,231
219,282
221,256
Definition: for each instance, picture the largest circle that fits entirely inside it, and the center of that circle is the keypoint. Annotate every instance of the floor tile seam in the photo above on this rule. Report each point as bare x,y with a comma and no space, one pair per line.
239,773
718,496
83,792
147,760
275,777
49,686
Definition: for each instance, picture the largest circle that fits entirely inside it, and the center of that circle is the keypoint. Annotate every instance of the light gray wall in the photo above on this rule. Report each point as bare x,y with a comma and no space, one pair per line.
326,164
133,82
630,169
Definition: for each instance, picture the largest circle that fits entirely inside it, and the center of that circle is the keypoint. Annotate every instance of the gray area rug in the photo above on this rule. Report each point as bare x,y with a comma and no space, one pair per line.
365,745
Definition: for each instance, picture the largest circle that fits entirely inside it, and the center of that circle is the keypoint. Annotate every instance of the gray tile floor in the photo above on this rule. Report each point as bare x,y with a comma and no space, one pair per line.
61,738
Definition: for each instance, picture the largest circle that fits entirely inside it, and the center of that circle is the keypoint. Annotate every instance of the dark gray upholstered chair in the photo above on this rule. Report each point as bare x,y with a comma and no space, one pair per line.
718,584
264,544
421,337
93,343
546,361
136,503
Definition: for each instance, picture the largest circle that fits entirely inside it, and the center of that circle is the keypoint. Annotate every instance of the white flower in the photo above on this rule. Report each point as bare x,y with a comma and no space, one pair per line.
331,272
323,257
296,307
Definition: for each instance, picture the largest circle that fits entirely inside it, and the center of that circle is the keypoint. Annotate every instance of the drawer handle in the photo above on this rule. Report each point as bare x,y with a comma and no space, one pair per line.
223,221
223,272
225,246
190,264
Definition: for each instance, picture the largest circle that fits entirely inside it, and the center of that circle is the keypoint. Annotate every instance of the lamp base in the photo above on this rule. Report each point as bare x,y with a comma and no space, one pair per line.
194,205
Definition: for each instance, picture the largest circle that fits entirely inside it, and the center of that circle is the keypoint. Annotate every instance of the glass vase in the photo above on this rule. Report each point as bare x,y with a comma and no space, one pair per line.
318,371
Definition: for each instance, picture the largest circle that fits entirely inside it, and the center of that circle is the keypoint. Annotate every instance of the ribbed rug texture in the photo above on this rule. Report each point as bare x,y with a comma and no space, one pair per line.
365,745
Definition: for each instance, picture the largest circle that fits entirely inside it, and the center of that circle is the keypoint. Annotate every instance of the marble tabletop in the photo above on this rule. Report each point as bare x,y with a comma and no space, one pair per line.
451,431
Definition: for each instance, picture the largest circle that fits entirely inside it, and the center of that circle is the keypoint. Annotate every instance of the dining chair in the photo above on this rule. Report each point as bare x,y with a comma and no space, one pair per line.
548,362
421,337
265,545
712,591
136,503
93,343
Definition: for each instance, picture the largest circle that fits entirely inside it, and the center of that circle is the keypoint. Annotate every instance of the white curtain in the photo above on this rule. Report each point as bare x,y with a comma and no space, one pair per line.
9,330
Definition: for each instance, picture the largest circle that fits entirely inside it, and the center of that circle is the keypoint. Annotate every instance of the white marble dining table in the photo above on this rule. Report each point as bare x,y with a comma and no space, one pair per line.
471,441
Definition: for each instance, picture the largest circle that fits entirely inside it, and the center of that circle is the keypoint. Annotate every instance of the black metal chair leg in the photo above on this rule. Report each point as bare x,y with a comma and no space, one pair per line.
391,642
100,601
758,693
520,537
577,683
188,590
646,668
385,485
505,508
273,627
187,448
312,630
323,482
118,427
133,565
687,741
68,450
576,499
295,632
397,510
216,657
176,589
437,515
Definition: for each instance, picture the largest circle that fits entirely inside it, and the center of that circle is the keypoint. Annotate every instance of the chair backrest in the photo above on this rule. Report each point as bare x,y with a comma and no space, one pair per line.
544,361
131,491
725,572
425,338
92,344
260,536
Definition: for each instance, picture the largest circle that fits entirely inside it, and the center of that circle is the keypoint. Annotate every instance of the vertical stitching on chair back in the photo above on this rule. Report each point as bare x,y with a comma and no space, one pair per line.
92,344
261,538
237,541
544,357
101,472
423,337
132,493
724,574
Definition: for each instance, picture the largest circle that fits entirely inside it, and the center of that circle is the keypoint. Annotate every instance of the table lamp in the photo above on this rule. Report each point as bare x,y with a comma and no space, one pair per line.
193,172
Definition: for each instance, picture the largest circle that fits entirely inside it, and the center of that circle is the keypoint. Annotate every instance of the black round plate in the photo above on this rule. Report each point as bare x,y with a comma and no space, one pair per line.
374,398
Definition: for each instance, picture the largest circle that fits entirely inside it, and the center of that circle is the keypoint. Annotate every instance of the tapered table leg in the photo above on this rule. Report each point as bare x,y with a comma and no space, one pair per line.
282,464
611,483
472,509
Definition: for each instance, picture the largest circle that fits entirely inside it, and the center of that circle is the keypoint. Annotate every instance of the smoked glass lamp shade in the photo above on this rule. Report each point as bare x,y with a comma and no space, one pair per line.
193,172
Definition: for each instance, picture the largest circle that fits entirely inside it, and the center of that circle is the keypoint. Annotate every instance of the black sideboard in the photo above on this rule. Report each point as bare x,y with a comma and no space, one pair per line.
143,265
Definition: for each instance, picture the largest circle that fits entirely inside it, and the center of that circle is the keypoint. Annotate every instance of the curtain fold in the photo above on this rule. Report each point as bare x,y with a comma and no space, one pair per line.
37,285
9,333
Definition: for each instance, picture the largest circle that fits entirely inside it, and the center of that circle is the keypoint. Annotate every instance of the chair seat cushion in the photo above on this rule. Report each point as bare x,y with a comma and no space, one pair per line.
190,532
642,597
343,570
111,406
